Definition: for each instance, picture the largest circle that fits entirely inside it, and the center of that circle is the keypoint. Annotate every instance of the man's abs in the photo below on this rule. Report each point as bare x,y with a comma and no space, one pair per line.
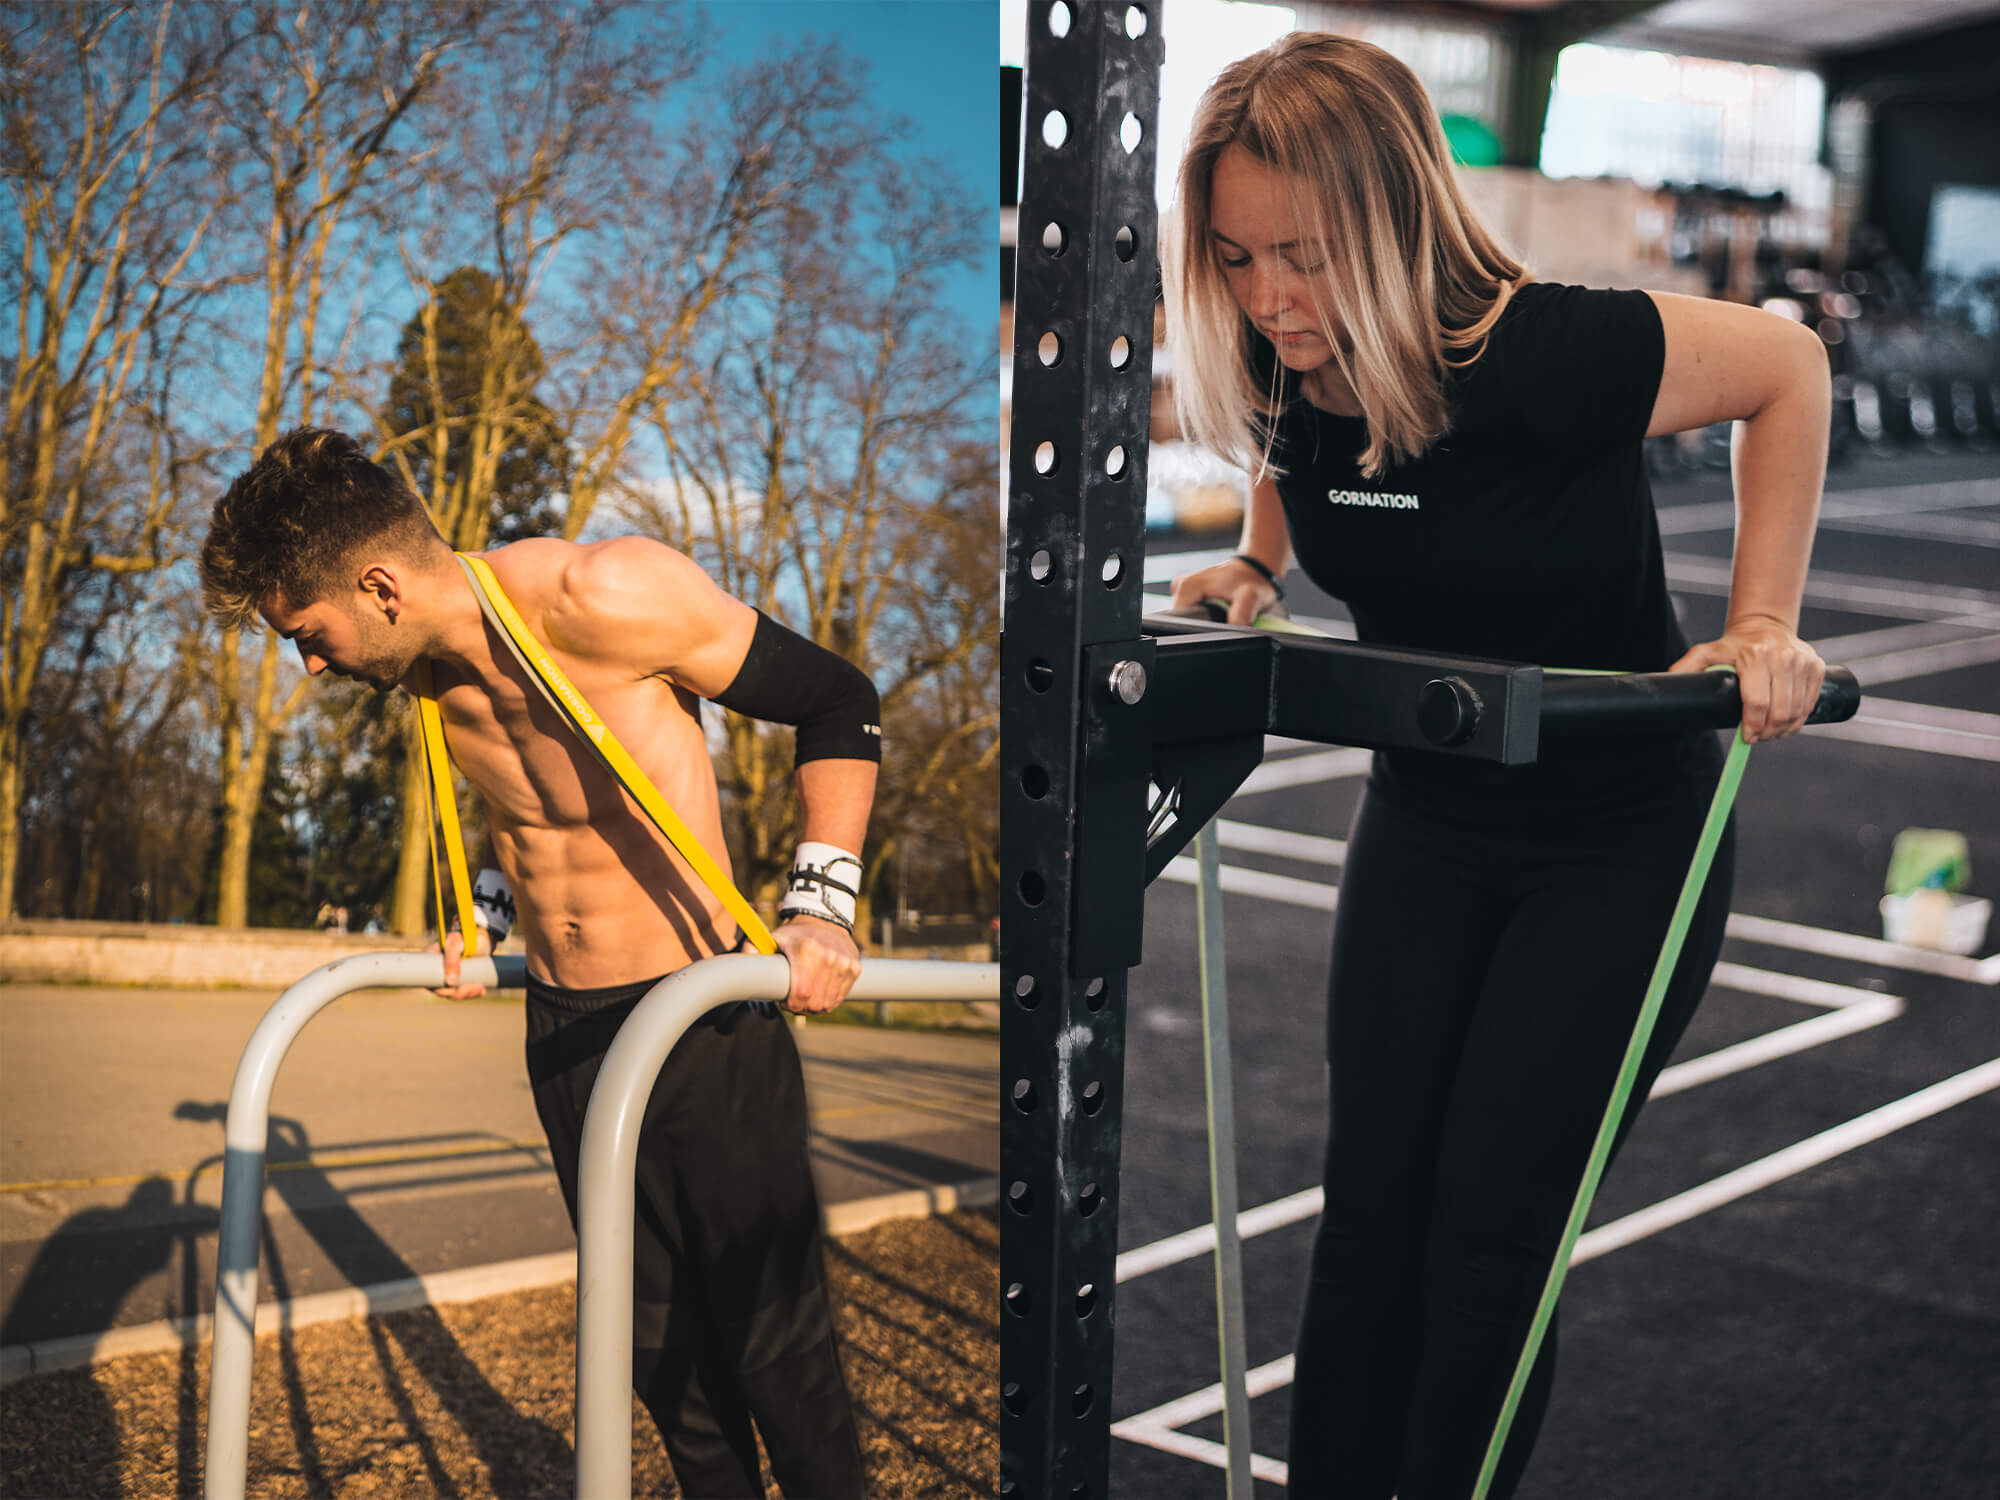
608,905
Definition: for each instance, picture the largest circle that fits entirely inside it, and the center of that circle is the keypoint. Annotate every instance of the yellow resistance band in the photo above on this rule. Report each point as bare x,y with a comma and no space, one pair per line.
593,732
444,813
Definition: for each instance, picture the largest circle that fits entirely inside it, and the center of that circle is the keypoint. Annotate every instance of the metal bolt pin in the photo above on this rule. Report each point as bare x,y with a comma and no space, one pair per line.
1128,681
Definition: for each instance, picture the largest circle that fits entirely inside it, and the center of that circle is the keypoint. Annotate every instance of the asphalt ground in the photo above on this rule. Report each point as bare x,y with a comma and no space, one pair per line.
1833,1328
403,1142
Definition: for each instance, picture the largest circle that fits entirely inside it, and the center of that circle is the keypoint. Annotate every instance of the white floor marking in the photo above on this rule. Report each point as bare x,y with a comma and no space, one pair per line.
1165,567
1155,1428
1322,896
1340,630
1931,716
1852,1010
1200,1240
1309,847
1959,531
1859,1015
1867,729
1840,508
1866,950
1861,593
1791,1161
1305,770
1923,661
1839,649
1236,880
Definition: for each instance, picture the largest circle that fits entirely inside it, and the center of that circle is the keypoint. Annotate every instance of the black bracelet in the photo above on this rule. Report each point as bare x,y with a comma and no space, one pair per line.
1269,577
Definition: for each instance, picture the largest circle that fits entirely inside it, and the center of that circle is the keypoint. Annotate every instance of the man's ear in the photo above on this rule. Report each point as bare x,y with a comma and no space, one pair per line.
382,585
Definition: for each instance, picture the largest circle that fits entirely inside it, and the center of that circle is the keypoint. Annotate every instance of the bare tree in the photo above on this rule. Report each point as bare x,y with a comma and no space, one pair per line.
109,115
323,91
816,463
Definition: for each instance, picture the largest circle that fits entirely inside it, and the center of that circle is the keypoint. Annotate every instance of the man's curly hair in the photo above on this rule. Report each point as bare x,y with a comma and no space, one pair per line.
294,519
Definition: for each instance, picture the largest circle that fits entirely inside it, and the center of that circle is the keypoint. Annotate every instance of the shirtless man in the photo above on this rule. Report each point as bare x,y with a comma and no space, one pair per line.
732,1323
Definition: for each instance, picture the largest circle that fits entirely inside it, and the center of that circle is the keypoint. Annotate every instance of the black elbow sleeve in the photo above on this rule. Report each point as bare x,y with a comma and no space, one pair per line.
787,679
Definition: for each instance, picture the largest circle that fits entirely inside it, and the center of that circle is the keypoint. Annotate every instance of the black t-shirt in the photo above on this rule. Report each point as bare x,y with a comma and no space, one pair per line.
1525,534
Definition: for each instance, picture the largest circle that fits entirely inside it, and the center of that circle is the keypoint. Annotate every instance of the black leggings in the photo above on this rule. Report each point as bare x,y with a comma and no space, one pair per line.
731,1322
1485,984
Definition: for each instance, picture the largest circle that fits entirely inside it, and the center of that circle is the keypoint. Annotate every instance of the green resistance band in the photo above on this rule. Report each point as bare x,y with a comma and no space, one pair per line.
1628,1071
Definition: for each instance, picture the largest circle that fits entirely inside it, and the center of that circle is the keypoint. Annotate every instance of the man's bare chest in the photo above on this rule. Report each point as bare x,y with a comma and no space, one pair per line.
526,761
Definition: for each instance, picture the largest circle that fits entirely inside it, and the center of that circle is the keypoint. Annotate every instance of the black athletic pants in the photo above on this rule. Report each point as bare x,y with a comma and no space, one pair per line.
1485,983
731,1323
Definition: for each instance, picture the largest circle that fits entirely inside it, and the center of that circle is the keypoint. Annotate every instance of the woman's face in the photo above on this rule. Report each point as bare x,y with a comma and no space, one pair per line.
1273,275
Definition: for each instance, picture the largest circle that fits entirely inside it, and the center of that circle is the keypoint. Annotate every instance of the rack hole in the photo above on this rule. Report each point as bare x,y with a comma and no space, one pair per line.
1049,350
1024,1096
1093,1098
1055,129
1041,565
1113,571
1093,994
1024,991
1130,133
1125,242
1114,461
1021,1197
1121,352
1135,21
1059,19
1088,1199
1014,1398
1041,676
1086,1300
1032,888
1079,1403
1019,1303
1055,239
1080,1490
1045,458
1035,782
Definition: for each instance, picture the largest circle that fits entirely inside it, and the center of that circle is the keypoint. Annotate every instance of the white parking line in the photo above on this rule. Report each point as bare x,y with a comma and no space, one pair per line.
1156,1428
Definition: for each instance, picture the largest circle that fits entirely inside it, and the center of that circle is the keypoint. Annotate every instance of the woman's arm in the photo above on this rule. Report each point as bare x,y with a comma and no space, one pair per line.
1265,538
1726,362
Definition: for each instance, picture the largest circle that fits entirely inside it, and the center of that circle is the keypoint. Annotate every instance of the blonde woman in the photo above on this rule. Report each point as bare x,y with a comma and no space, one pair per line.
1454,449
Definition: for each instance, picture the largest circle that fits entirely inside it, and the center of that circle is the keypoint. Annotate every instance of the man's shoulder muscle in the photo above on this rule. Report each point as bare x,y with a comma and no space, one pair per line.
628,600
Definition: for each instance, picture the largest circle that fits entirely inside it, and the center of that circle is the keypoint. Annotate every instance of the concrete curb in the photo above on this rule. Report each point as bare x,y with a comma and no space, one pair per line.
171,1335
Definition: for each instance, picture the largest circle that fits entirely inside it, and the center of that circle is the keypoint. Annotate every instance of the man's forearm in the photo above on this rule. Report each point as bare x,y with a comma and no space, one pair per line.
834,800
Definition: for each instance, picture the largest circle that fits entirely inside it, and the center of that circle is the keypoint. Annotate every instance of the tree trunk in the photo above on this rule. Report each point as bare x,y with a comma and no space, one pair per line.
10,817
242,785
409,915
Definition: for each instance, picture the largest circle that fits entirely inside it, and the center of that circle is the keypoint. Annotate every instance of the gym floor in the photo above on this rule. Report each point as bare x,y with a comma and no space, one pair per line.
1809,1306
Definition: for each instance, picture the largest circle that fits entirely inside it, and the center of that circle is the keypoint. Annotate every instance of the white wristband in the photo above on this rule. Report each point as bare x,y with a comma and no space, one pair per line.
493,904
826,881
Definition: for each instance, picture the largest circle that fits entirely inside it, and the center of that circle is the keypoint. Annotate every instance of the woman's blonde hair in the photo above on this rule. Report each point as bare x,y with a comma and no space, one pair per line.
1414,279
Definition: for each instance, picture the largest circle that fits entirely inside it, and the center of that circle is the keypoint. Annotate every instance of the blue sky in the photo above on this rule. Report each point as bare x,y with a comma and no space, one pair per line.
934,61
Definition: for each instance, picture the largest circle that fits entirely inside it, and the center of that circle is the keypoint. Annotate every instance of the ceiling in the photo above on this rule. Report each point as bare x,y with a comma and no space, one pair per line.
1789,31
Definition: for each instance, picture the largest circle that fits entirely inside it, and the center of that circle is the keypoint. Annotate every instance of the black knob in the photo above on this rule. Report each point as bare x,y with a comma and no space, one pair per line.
1448,711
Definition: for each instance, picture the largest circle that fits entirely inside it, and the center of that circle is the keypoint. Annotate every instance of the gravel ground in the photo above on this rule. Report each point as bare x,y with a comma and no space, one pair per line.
475,1400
